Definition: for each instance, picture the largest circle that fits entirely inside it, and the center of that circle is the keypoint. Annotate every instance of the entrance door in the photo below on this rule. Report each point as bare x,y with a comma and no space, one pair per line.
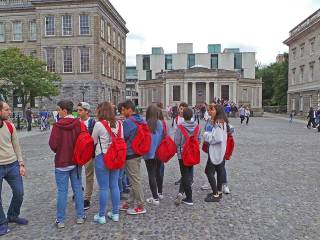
225,92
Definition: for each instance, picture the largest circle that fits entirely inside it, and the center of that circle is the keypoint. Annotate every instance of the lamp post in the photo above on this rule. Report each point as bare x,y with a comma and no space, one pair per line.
83,91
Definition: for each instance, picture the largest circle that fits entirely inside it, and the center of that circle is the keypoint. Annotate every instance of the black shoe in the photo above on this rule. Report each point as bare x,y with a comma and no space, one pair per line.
177,182
212,198
86,204
187,202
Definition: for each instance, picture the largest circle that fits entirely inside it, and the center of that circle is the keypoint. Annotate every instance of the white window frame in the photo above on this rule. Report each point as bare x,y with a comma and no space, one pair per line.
301,74
31,36
63,22
63,60
293,76
302,46
109,33
103,63
102,28
293,104
81,71
109,65
54,57
114,38
13,31
84,34
45,26
312,44
301,104
311,72
119,42
3,32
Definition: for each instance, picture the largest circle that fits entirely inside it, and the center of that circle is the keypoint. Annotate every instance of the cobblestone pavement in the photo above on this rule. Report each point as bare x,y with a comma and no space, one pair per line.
273,175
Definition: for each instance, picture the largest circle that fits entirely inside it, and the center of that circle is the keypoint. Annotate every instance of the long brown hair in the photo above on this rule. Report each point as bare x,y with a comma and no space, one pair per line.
220,114
105,111
152,116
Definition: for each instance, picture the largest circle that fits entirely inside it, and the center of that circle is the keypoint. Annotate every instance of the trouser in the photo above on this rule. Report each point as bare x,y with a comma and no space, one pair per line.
185,184
242,118
108,181
29,124
155,174
247,117
123,180
62,181
89,171
134,175
11,173
210,171
311,121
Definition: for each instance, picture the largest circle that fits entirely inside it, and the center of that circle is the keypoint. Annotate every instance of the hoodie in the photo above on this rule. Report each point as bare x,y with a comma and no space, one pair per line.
156,139
179,139
129,132
63,139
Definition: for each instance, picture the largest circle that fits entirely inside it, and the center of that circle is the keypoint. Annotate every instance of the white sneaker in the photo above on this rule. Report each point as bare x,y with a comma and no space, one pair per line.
226,189
153,201
160,196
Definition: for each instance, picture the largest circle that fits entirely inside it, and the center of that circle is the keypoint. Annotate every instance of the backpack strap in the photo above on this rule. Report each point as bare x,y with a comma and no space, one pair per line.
83,127
119,128
177,117
164,128
9,126
183,131
107,127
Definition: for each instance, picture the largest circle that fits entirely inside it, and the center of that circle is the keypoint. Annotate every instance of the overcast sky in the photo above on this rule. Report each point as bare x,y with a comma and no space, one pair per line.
251,25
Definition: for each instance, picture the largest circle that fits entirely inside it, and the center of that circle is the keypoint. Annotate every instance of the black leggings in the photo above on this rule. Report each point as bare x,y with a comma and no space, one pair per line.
221,175
185,184
155,170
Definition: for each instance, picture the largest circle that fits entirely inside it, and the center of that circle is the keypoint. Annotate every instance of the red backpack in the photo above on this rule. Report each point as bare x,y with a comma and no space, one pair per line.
191,149
115,157
167,148
84,147
230,147
142,141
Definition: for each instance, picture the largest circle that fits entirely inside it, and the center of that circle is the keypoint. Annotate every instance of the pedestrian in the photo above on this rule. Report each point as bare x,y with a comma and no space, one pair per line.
12,169
217,140
62,141
153,165
291,116
83,111
108,179
242,112
186,171
312,118
29,116
247,114
318,119
133,161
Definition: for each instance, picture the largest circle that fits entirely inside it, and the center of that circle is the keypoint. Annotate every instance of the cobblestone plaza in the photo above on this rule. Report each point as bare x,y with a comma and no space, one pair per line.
273,176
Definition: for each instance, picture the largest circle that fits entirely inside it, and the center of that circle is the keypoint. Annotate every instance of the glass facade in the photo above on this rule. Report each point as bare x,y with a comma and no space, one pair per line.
146,62
191,60
214,48
214,61
237,61
168,62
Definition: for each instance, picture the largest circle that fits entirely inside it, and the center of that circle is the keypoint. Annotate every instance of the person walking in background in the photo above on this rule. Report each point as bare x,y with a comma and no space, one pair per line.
291,116
247,115
242,112
12,170
29,116
312,118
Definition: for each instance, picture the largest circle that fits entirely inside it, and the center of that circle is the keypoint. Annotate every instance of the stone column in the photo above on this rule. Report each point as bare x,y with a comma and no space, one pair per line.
185,89
167,94
194,95
207,93
234,96
215,90
260,97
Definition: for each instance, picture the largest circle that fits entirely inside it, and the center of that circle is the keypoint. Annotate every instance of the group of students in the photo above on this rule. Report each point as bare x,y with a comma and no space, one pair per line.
137,138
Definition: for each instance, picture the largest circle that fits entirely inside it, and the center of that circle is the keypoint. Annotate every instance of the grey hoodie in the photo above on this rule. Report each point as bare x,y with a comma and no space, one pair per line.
179,139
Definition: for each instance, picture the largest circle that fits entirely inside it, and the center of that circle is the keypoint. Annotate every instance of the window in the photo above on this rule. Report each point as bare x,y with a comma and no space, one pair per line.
109,33
293,76
67,60
225,92
103,63
102,27
176,93
109,65
168,62
294,53
191,60
84,60
311,71
84,25
67,25
33,54
301,50
146,62
301,73
2,34
114,38
119,71
128,93
33,30
214,61
49,26
237,61
50,59
114,68
148,75
119,43
301,103
122,46
312,47
17,31
122,72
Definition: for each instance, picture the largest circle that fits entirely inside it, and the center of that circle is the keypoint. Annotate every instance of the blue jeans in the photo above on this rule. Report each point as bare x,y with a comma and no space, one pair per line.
107,180
62,180
123,181
11,173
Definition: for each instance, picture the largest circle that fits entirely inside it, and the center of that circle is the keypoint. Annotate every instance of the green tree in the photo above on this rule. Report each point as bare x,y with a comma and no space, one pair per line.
26,76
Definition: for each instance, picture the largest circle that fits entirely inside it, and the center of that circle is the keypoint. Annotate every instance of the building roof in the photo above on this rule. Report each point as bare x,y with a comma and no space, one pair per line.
179,73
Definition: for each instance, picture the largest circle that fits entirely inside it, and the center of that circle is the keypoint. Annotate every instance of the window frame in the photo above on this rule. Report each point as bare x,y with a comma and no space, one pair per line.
64,60
54,60
174,96
81,63
45,26
13,31
89,27
30,30
3,31
102,28
63,27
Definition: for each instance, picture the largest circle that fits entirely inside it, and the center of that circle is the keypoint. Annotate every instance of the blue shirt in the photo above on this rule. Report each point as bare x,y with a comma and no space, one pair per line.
156,139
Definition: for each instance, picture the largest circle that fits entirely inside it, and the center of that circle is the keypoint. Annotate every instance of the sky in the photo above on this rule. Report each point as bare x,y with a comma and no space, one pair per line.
251,25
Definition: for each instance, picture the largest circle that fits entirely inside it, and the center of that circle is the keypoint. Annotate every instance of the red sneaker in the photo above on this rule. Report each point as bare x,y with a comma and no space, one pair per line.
136,211
124,207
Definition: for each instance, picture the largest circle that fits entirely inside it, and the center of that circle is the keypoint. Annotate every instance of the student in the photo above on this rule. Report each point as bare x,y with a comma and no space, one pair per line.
133,161
11,169
62,140
83,111
242,112
186,172
217,140
153,165
107,179
179,119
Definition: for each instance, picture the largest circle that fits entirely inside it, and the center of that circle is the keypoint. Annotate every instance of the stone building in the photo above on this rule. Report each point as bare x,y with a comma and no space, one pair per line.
304,65
83,41
229,75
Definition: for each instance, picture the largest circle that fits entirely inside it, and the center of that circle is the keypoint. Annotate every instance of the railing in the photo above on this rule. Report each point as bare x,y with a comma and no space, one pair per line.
313,18
14,3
